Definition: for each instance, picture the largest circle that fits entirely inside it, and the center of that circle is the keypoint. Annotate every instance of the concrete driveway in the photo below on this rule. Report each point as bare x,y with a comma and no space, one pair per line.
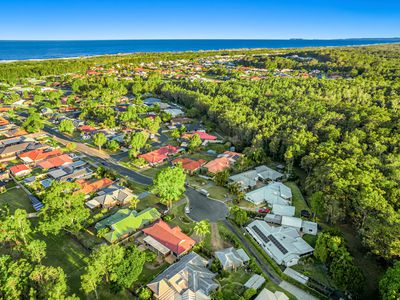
203,208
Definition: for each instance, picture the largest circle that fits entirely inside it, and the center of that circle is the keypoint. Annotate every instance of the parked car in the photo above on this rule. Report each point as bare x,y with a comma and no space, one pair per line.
305,214
264,210
187,209
204,192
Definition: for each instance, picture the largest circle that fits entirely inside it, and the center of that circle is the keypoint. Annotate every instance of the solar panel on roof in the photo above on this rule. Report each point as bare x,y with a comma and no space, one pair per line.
260,234
277,244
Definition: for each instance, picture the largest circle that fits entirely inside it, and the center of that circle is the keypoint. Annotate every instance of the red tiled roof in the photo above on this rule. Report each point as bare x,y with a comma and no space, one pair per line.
3,121
217,165
172,238
190,164
201,134
159,155
18,168
40,154
90,187
56,161
86,128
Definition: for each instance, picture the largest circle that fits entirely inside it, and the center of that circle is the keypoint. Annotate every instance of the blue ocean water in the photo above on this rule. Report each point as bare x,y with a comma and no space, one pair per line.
23,50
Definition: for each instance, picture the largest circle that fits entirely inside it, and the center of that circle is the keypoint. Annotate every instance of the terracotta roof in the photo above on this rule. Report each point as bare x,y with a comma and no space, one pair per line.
56,161
190,164
159,155
201,134
3,121
90,187
40,154
86,128
172,238
19,168
217,165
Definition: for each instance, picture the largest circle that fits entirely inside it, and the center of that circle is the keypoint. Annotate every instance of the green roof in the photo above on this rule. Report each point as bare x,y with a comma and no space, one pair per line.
125,224
118,216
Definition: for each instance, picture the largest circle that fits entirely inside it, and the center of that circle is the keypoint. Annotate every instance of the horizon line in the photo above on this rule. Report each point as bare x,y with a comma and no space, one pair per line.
200,39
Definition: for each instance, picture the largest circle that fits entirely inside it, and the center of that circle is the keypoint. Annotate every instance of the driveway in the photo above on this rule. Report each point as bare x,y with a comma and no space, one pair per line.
203,208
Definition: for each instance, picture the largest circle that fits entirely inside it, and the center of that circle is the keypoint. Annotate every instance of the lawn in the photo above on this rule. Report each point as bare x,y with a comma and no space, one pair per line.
137,188
150,272
297,199
314,270
232,284
202,155
149,201
152,171
196,181
181,220
217,192
16,198
66,253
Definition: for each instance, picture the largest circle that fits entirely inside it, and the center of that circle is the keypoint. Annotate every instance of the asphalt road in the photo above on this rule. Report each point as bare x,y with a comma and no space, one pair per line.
203,208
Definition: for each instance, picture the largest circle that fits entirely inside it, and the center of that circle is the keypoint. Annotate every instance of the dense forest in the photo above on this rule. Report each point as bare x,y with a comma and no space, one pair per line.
343,132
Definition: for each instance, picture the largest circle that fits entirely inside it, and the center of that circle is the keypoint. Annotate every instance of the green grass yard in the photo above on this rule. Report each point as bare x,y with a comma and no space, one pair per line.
149,201
232,284
217,192
297,199
152,171
181,220
16,198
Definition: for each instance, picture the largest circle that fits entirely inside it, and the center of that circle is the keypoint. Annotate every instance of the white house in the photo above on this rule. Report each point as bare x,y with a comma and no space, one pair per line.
282,244
273,193
232,258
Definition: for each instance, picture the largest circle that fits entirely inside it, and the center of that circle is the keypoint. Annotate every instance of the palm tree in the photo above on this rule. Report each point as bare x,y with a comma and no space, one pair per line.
134,202
202,228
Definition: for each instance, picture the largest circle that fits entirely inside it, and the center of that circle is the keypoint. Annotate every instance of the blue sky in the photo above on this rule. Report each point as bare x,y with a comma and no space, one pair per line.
175,19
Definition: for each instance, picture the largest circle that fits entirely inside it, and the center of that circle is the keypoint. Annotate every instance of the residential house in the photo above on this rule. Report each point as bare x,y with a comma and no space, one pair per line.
245,180
268,174
88,187
202,134
217,165
11,151
231,258
174,112
190,165
56,161
38,155
255,282
306,227
282,244
3,122
266,294
37,205
283,210
125,222
20,170
15,132
111,196
232,156
151,101
273,193
188,278
172,238
159,155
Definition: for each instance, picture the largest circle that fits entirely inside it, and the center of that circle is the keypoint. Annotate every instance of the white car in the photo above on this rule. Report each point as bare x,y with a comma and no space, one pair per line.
204,192
187,209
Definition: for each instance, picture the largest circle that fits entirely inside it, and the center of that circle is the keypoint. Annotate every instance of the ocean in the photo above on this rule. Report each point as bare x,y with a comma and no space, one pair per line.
27,50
